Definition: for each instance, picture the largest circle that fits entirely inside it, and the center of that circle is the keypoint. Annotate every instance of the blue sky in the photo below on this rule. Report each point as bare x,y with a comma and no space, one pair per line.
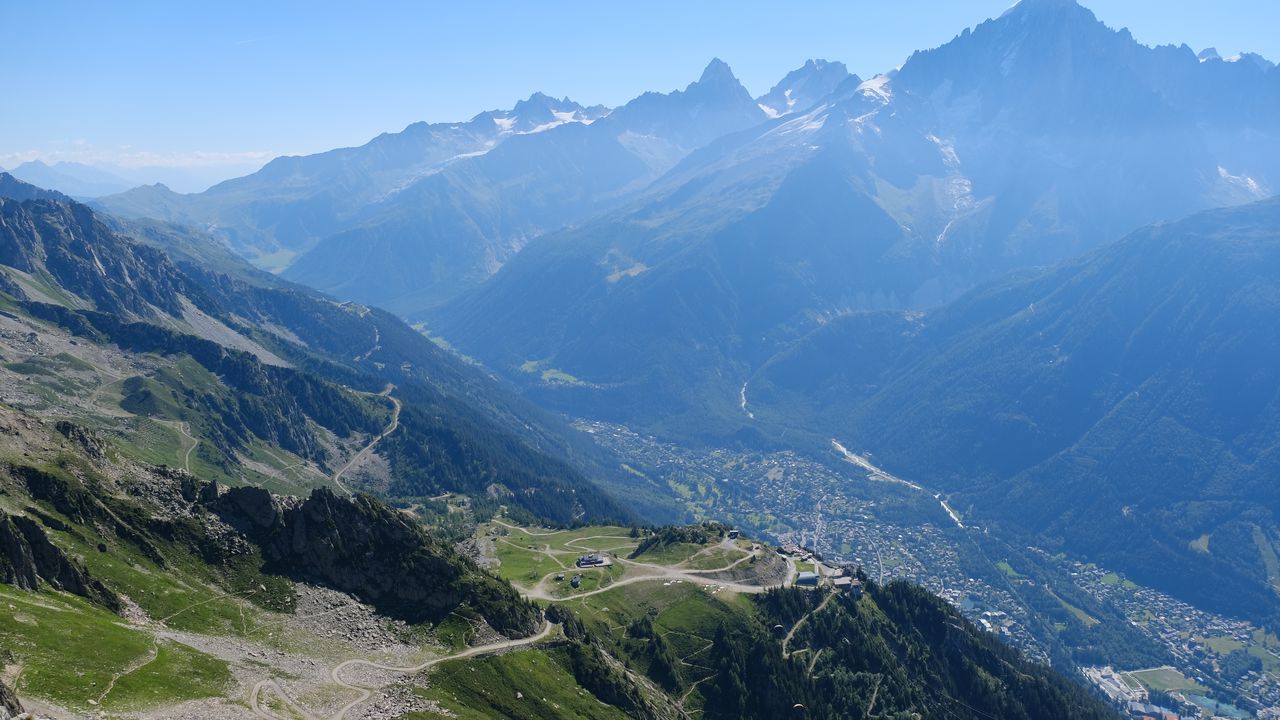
233,82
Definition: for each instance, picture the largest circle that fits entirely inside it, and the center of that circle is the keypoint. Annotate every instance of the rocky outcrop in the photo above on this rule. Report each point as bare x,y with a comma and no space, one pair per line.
9,705
17,564
252,510
92,445
363,547
28,557
83,502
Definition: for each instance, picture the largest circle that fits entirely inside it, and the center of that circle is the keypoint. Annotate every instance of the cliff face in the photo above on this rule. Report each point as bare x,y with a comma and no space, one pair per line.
17,565
365,548
27,557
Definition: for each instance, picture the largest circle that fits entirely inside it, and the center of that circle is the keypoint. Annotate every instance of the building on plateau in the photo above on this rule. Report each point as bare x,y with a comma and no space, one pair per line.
592,560
850,585
807,579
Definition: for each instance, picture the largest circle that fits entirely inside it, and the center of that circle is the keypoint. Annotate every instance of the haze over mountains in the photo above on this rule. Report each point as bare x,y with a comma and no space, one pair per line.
76,179
1006,148
90,180
1019,294
655,263
425,213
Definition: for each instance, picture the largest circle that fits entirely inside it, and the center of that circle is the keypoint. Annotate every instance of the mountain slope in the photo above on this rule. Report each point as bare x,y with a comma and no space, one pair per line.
15,189
175,597
898,650
1000,150
153,562
1122,406
247,363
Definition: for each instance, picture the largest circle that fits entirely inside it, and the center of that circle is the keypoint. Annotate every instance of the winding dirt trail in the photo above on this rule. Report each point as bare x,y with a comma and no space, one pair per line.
262,712
146,660
364,452
185,429
528,531
364,693
787,640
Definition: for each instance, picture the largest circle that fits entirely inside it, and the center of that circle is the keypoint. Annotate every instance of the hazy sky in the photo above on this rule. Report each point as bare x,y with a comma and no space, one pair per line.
213,82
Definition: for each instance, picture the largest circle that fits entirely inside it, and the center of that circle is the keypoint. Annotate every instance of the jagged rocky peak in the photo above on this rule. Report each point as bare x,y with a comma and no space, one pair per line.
1029,8
715,104
718,85
1033,40
804,87
541,112
717,72
1209,54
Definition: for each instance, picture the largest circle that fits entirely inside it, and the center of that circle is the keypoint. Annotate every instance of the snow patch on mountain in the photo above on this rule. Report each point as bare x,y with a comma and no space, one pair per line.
807,123
1243,182
959,188
877,87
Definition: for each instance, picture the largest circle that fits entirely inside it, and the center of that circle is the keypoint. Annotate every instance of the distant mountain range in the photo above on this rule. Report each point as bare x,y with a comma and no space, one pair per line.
75,179
413,218
1032,138
87,181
